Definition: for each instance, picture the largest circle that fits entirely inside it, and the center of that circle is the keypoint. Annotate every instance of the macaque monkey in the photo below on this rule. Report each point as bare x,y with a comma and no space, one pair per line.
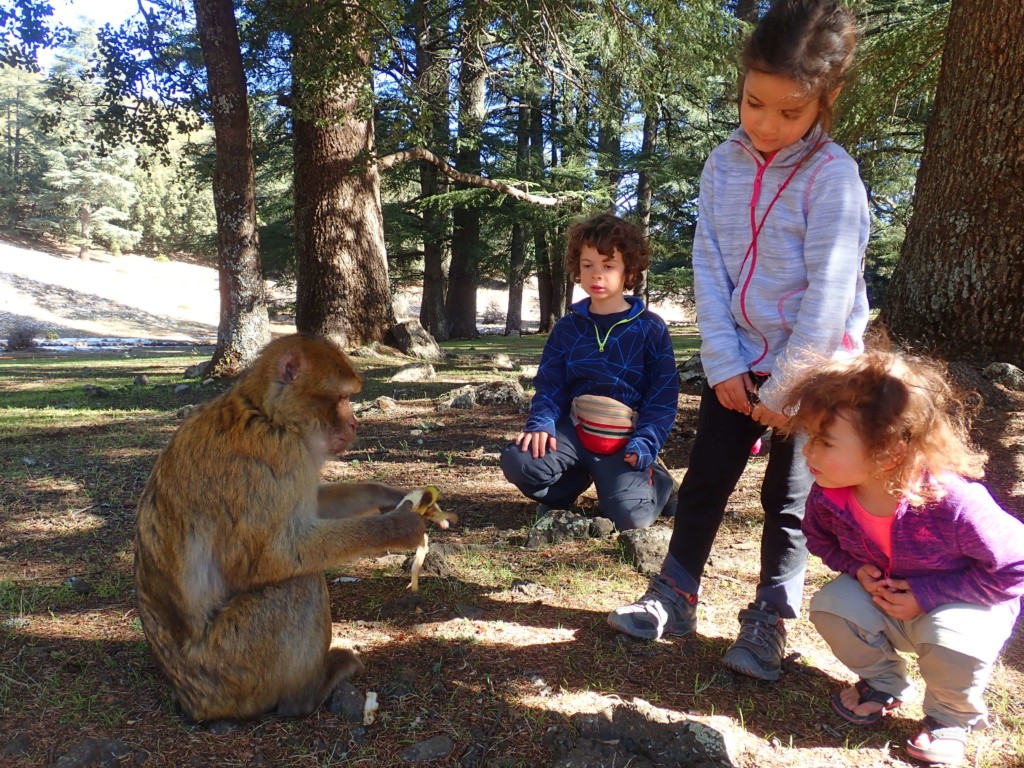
234,531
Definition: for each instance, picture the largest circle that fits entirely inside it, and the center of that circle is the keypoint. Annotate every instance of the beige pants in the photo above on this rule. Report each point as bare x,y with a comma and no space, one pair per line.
956,645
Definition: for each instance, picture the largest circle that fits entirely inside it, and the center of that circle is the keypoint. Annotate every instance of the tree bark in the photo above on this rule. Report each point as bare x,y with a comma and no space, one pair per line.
645,187
464,273
517,247
958,289
433,78
437,255
609,131
551,284
84,229
342,288
547,298
244,326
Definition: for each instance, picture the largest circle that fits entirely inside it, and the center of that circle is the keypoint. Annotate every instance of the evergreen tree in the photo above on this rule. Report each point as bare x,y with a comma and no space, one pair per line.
86,189
958,287
174,206
24,143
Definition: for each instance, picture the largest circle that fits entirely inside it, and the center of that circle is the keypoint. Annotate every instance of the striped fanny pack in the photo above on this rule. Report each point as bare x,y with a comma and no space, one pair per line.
603,424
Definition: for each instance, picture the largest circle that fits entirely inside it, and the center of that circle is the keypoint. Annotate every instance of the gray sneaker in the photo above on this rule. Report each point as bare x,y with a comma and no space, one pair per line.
761,644
661,611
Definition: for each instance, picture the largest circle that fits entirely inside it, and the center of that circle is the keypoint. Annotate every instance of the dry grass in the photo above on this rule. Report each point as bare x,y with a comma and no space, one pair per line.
473,659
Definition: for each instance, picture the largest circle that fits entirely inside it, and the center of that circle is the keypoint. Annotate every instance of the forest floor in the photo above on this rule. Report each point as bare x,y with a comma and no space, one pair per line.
492,664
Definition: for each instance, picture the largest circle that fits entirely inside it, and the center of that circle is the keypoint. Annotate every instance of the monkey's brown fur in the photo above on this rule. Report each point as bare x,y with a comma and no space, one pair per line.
234,531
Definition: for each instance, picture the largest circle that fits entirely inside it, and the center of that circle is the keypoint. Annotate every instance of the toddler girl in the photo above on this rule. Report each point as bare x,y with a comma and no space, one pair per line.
930,564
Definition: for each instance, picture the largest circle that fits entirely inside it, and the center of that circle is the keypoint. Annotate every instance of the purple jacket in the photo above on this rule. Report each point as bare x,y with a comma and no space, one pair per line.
962,549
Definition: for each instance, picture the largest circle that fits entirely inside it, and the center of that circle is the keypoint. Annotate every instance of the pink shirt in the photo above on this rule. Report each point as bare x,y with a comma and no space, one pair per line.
878,529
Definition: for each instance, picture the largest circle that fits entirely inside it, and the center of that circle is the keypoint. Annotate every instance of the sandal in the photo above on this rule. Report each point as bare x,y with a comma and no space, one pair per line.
938,744
866,693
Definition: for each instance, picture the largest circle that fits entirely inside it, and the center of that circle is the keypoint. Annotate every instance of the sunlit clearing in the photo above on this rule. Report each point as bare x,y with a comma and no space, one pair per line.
53,485
497,632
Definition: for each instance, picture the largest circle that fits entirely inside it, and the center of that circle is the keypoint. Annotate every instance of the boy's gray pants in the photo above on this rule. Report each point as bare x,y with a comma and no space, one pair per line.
956,645
630,498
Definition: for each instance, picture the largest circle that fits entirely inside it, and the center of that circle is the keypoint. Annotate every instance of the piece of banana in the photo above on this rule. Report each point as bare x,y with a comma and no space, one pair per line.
424,501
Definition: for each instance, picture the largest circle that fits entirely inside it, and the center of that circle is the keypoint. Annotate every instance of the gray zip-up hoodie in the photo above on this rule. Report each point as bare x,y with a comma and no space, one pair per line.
778,259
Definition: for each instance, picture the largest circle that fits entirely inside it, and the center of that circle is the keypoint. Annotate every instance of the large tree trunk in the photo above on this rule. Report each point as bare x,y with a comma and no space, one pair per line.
433,78
551,284
464,273
244,326
609,132
517,249
516,280
958,289
436,254
342,288
84,230
548,316
645,187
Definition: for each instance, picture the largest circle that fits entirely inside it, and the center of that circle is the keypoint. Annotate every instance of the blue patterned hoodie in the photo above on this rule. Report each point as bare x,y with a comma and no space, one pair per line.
635,364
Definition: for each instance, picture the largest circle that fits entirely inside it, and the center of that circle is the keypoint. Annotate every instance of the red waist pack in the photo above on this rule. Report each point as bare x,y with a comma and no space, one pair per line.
603,424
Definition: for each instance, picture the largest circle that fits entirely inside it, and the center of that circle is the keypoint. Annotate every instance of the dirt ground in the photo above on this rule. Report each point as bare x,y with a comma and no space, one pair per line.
490,665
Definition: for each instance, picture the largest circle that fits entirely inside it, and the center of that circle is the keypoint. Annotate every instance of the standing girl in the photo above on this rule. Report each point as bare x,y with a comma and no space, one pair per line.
778,278
930,564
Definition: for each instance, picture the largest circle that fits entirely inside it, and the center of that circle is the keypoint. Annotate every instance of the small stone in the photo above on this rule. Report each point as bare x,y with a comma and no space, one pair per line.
347,701
17,747
195,371
431,749
79,585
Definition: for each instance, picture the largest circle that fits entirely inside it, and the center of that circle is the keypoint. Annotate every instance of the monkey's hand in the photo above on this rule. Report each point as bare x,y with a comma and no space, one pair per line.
424,502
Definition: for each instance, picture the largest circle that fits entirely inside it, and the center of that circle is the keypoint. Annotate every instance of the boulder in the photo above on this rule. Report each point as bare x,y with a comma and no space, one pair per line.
1010,376
412,339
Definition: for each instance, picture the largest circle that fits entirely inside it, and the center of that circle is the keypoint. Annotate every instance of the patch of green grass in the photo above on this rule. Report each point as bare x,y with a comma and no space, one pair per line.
111,585
81,700
1006,706
485,567
19,600
70,388
528,347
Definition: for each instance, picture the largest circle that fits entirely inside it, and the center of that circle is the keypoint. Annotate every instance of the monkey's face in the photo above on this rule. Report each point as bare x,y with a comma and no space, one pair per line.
333,381
343,430
307,382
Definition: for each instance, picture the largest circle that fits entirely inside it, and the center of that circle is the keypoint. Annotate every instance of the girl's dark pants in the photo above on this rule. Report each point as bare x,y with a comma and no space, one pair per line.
630,498
720,453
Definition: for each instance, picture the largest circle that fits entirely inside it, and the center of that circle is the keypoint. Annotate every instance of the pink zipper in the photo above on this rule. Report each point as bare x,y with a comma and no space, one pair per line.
755,229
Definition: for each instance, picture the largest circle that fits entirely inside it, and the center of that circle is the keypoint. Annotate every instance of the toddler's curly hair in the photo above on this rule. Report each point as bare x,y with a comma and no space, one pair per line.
608,233
914,424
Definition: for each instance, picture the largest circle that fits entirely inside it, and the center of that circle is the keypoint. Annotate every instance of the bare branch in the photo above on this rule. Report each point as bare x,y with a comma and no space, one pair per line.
419,153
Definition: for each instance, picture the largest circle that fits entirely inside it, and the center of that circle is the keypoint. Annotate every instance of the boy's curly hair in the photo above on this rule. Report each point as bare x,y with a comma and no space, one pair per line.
608,233
914,424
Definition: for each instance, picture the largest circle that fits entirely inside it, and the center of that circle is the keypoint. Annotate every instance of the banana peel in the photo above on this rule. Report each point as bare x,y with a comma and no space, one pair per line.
424,502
